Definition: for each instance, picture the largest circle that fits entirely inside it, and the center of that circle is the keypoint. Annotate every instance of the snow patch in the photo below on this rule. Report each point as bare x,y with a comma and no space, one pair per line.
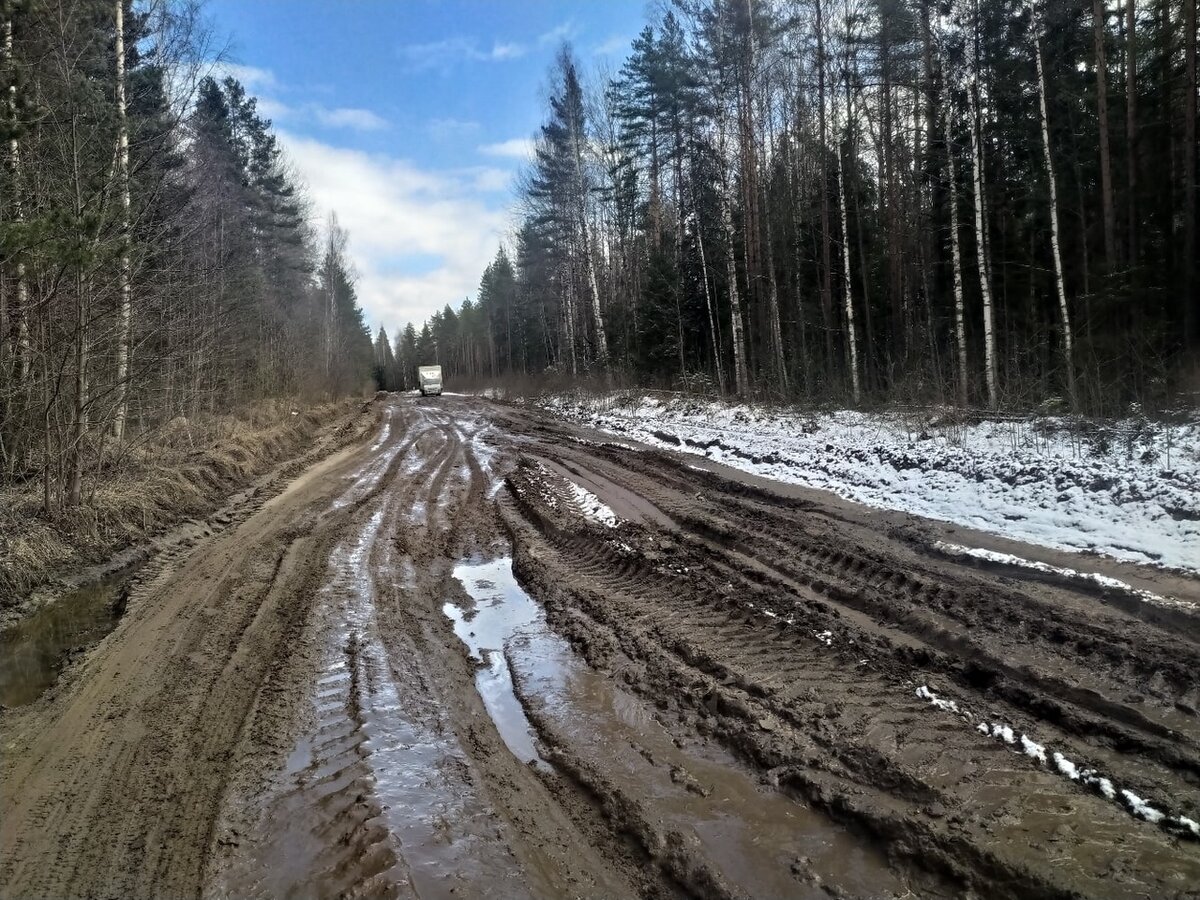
1136,805
1033,749
592,507
1140,807
947,705
1094,577
1128,489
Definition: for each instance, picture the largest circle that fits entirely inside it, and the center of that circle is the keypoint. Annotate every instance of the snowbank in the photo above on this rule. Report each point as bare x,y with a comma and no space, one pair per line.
1130,491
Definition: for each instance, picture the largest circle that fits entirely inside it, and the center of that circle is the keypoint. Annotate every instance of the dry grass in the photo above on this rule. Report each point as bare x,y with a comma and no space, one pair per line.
182,470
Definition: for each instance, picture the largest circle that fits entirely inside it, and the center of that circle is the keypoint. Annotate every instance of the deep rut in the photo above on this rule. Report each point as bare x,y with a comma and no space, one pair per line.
483,654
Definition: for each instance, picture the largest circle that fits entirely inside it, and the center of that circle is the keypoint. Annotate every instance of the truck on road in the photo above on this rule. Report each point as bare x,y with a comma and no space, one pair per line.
429,379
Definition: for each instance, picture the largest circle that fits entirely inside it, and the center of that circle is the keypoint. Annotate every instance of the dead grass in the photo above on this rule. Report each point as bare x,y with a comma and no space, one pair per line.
183,470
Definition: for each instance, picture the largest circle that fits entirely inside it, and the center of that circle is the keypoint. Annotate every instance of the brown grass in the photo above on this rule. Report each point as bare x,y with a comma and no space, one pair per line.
183,470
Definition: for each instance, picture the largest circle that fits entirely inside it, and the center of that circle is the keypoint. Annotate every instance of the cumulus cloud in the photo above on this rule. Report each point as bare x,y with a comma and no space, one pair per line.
513,148
394,209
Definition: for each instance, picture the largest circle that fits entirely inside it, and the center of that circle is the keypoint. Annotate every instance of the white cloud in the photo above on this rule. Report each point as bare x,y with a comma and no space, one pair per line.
347,117
559,33
450,51
394,209
513,148
616,43
501,51
251,77
262,83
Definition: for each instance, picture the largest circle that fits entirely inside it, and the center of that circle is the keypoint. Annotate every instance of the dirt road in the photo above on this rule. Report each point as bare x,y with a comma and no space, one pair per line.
486,654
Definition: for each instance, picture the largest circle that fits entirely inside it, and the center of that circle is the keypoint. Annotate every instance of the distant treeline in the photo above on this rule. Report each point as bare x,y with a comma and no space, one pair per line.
156,256
973,202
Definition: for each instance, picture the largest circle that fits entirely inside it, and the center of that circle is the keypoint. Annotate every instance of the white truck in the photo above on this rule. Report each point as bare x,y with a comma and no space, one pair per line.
429,379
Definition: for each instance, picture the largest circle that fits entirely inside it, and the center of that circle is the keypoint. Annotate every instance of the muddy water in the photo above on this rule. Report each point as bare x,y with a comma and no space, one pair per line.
374,795
762,841
501,611
34,651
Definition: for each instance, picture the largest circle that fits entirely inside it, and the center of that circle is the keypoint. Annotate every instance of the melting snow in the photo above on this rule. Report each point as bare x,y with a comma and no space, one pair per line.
1095,577
1133,493
592,507
1140,807
1034,749
1065,767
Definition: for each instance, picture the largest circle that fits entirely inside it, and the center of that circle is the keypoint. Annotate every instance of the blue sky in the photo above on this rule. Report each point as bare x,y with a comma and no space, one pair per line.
410,118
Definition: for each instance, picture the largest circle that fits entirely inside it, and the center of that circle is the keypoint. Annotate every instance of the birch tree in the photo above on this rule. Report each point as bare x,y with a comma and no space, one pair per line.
1056,252
125,314
981,242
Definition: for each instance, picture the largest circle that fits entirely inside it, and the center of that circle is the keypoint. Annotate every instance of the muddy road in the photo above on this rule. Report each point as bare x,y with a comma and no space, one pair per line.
486,654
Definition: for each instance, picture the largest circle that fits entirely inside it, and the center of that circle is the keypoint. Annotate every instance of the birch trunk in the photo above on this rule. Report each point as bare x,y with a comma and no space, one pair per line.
826,249
851,340
125,314
985,275
960,329
741,374
569,316
17,314
594,287
1068,350
593,283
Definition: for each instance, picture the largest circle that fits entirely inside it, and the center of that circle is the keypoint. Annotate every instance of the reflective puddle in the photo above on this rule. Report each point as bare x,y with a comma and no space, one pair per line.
375,796
34,651
500,613
762,840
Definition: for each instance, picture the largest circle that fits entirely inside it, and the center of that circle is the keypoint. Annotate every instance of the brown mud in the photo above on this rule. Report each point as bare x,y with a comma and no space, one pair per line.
419,669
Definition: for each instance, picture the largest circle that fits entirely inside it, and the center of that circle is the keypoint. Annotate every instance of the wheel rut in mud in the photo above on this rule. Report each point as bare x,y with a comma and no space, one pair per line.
482,653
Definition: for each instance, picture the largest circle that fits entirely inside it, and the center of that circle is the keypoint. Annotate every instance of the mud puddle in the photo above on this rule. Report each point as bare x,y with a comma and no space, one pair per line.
34,651
757,838
501,612
374,795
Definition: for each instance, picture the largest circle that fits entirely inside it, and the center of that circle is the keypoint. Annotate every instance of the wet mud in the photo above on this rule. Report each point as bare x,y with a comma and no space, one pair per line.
34,651
481,653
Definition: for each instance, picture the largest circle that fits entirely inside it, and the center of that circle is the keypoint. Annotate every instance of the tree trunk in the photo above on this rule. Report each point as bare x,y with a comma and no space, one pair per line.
851,340
708,300
1068,351
1191,318
826,249
778,359
20,309
960,330
125,315
1131,126
1106,183
985,276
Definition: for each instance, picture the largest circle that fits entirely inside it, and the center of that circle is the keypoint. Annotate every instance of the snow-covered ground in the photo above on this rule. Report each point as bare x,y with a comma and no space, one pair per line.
1130,490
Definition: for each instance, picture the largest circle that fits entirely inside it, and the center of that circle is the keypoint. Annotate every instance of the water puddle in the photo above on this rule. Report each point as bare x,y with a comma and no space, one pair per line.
34,651
763,841
375,790
501,612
